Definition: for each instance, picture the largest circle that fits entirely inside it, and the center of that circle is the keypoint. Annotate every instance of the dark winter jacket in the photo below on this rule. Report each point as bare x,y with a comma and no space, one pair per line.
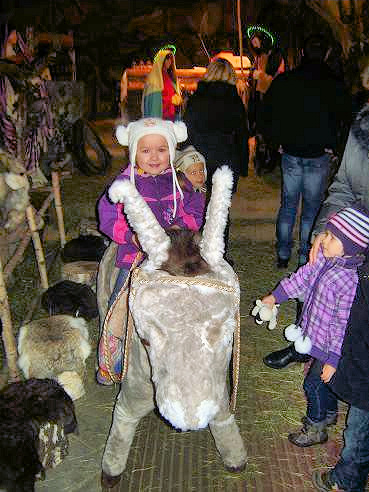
305,109
351,380
216,122
351,183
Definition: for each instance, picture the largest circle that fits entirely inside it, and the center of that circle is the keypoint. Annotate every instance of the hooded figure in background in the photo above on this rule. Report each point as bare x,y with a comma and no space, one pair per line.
162,96
268,62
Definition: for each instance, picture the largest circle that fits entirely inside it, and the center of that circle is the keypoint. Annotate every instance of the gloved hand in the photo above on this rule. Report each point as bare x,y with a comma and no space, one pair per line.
263,312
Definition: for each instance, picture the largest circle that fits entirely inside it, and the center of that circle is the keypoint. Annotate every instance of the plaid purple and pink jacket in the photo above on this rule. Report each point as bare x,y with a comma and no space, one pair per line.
157,191
328,288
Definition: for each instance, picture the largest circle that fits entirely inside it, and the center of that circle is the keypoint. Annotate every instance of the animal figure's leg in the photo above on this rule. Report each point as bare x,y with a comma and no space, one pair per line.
228,441
135,400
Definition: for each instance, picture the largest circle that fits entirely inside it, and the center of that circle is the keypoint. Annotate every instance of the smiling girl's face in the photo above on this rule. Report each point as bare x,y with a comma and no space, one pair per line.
152,154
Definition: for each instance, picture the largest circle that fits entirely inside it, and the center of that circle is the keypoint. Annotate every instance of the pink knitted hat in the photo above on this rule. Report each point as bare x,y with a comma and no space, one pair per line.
351,226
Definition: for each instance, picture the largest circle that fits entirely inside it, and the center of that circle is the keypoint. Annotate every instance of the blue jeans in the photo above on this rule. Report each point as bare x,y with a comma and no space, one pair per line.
352,469
321,401
304,178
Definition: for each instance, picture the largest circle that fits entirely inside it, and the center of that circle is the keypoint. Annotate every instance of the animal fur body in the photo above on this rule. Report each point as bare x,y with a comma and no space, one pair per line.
73,298
14,199
184,257
55,347
184,325
84,248
25,409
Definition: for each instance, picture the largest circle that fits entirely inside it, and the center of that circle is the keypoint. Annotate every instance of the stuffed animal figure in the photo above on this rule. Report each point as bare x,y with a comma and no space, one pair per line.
185,317
262,312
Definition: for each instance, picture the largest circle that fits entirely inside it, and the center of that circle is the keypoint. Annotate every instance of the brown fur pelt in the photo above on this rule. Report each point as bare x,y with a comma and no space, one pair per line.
184,256
24,408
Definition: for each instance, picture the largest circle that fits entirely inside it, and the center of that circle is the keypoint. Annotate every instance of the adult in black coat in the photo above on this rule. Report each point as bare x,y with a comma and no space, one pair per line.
304,111
216,121
351,384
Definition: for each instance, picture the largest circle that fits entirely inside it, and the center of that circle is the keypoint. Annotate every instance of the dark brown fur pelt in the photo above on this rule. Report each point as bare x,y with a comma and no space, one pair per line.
84,247
73,298
24,407
184,256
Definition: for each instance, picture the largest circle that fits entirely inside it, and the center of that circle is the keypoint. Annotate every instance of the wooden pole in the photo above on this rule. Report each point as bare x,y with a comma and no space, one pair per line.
58,207
7,331
241,83
240,40
38,247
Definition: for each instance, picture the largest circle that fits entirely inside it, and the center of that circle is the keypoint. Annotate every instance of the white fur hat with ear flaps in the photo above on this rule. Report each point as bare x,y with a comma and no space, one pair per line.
130,135
173,132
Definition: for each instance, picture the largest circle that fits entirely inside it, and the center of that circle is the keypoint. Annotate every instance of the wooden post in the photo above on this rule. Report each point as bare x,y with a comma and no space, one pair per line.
38,247
240,40
58,207
7,331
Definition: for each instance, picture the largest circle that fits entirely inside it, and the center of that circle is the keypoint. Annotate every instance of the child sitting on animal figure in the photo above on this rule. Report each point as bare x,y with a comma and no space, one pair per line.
192,165
328,287
152,143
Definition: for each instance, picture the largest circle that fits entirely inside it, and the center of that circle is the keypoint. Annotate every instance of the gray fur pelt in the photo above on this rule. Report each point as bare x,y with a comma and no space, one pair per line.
55,347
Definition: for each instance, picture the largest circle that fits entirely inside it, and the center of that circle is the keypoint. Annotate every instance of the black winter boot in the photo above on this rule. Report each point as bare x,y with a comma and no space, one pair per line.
281,358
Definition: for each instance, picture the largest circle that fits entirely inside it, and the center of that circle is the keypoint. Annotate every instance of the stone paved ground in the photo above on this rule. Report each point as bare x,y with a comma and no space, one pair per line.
270,402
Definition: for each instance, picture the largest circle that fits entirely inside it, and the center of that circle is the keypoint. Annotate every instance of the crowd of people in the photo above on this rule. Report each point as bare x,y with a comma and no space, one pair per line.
303,119
299,117
302,115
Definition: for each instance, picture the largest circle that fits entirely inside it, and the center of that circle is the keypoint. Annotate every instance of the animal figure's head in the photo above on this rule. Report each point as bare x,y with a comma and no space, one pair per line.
186,322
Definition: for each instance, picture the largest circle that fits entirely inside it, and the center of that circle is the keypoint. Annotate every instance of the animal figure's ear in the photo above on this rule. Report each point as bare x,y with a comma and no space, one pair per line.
212,243
151,235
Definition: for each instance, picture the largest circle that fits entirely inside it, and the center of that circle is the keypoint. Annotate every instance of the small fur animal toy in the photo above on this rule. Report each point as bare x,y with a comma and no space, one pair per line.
51,347
262,313
71,298
31,413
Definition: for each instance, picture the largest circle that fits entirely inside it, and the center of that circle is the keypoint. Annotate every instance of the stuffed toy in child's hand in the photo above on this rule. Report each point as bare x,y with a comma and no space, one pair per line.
263,312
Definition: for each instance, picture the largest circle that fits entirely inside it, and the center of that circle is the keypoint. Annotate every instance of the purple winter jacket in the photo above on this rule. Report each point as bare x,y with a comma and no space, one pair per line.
157,191
328,288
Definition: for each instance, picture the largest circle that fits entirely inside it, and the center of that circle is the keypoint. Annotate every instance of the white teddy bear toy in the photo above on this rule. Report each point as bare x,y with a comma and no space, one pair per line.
263,312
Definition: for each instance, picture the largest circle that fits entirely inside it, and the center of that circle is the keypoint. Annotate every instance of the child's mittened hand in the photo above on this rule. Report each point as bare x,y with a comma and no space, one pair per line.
327,373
